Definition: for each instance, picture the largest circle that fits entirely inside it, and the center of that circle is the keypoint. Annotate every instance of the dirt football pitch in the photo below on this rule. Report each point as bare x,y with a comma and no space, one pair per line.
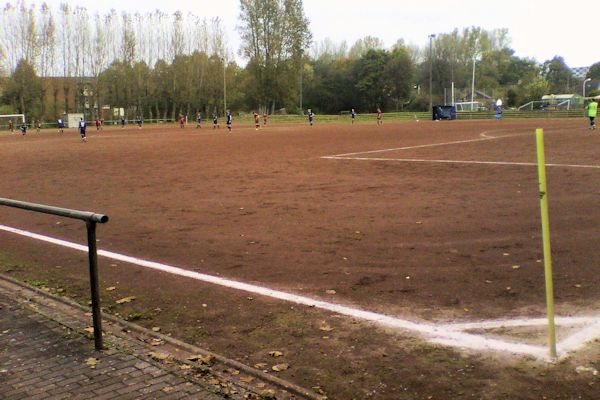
434,223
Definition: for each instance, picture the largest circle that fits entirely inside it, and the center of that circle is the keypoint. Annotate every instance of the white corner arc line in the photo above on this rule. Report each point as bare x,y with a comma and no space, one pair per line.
436,334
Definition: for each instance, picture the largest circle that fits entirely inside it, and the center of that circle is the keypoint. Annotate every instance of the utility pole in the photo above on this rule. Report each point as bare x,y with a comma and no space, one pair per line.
431,71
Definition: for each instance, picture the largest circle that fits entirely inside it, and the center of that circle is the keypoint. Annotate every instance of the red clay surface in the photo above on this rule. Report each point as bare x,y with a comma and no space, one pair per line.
419,240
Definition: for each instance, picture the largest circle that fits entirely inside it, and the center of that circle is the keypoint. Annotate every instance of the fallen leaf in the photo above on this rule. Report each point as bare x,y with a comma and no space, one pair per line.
326,328
280,367
125,300
207,359
246,379
506,254
486,281
260,366
157,342
275,353
330,291
578,286
184,367
261,385
89,329
110,289
156,329
268,394
516,266
157,355
213,381
92,362
233,371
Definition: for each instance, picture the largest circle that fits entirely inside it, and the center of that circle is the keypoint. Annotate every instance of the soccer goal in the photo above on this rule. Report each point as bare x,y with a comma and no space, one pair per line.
15,119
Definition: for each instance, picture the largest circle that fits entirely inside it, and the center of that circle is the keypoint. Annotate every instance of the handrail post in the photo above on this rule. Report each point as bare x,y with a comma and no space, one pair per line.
94,285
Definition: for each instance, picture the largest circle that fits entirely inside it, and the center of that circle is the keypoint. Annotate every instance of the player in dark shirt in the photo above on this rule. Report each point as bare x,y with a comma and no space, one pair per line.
229,120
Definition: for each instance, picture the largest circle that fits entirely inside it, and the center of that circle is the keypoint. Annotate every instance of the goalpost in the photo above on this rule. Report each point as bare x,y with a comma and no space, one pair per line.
16,119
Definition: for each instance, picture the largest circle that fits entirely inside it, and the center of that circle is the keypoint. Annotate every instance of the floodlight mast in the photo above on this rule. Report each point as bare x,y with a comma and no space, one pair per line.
431,70
224,86
584,83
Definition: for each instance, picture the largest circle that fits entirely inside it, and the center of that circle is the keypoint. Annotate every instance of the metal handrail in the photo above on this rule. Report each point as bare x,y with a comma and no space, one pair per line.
91,219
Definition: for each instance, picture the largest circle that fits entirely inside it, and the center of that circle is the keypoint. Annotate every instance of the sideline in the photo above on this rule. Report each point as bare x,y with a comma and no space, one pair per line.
446,334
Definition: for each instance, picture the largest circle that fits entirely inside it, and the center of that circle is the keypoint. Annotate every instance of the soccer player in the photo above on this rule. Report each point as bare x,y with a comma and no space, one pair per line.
592,112
353,113
256,121
181,121
498,115
97,122
229,120
123,122
61,125
264,119
310,116
82,130
138,121
215,121
37,126
23,128
379,121
198,121
11,127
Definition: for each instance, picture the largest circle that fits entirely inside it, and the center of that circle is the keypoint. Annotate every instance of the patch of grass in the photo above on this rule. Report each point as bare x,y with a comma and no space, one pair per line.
37,282
135,316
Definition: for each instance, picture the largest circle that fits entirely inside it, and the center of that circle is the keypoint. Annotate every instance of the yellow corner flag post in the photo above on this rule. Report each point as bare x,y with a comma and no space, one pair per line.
541,159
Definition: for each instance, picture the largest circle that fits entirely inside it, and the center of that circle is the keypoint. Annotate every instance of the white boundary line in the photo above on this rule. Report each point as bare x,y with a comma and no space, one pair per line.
450,335
484,137
422,160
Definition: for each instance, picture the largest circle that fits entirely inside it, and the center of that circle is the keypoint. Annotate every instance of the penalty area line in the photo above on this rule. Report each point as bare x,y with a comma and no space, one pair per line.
422,160
433,333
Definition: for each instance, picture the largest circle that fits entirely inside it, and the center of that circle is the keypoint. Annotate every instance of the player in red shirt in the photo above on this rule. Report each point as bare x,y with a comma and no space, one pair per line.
256,121
264,119
379,121
181,121
37,126
97,121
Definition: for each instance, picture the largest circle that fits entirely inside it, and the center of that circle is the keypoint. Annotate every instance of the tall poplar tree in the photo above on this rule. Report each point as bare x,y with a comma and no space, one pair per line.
274,35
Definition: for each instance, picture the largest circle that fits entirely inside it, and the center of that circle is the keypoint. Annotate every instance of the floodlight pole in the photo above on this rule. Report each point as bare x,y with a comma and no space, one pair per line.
431,71
224,86
473,86
584,83
301,78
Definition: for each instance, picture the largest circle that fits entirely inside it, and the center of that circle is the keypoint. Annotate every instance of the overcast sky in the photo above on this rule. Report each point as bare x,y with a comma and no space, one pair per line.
539,29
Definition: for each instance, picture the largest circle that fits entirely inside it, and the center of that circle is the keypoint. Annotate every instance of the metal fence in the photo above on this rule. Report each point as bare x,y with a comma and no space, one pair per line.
91,219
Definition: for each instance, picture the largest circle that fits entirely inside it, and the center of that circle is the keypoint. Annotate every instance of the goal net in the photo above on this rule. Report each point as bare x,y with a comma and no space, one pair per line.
16,120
